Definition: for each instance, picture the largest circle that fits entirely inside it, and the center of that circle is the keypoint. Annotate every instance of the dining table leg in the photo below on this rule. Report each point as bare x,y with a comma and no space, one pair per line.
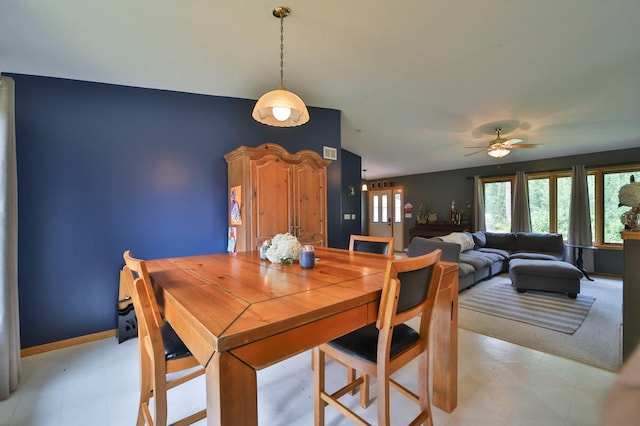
445,343
232,391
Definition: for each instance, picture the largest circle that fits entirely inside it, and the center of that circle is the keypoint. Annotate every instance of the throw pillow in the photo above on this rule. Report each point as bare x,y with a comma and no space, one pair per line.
464,239
479,239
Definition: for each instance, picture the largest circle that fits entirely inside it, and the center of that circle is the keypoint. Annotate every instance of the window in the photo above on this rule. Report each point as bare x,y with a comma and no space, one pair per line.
497,206
539,204
375,208
397,207
550,200
563,203
385,208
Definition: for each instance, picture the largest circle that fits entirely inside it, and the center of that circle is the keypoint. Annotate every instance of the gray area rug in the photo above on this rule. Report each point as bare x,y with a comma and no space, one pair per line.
554,311
596,342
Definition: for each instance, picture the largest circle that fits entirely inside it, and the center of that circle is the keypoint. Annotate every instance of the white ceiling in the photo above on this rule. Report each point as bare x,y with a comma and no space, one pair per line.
417,81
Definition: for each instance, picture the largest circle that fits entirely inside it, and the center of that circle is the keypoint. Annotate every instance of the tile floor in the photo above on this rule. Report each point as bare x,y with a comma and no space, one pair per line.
499,384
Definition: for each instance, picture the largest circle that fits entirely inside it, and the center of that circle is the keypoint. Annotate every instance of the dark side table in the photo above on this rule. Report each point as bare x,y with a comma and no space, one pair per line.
579,262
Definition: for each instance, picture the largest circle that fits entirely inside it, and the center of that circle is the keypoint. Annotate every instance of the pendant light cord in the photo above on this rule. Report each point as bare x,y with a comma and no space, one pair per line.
282,50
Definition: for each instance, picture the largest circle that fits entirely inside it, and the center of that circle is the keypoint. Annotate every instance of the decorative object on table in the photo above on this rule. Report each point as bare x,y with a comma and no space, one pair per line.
629,195
422,214
284,248
454,216
280,107
263,249
307,256
465,217
432,217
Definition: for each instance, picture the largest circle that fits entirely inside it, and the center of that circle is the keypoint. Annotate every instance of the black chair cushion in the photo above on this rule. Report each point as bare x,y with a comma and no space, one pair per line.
363,342
371,246
174,348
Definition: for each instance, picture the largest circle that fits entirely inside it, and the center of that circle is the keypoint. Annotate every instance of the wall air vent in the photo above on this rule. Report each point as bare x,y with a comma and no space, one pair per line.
329,153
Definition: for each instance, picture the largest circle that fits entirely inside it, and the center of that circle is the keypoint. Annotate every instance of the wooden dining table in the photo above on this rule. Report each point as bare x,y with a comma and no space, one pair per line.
238,314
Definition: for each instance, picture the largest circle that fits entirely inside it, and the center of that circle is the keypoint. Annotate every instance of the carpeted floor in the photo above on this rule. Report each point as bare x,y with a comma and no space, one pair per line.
596,342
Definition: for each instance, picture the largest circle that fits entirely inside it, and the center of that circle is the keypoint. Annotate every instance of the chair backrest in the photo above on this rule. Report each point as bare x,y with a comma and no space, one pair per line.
370,244
144,301
410,288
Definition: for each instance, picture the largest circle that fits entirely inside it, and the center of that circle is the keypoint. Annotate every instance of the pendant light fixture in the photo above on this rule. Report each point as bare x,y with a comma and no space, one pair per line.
280,107
364,187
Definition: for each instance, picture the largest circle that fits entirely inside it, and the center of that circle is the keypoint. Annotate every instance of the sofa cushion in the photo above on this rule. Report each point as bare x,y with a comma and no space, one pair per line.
539,242
493,257
501,240
536,256
463,238
465,269
504,253
477,261
479,239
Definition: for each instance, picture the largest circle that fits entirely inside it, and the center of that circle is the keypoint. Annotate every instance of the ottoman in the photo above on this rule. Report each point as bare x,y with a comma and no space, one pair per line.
545,275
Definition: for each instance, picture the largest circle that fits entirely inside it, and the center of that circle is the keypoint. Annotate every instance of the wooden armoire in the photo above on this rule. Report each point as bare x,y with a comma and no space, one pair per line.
279,192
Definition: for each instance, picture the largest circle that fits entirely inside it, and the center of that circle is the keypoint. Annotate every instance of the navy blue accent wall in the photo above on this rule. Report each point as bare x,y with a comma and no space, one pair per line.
351,204
104,168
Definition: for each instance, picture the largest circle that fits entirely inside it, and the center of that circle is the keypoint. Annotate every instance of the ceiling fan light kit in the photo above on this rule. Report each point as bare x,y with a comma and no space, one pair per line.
281,107
501,147
498,152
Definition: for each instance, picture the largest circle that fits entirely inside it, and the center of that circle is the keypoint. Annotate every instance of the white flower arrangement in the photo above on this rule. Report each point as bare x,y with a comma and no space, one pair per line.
284,248
629,195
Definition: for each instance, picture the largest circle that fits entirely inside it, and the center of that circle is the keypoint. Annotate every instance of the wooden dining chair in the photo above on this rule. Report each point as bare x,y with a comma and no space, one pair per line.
381,348
161,350
370,244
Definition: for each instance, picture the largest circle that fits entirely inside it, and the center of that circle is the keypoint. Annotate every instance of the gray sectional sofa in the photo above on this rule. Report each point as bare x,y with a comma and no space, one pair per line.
482,255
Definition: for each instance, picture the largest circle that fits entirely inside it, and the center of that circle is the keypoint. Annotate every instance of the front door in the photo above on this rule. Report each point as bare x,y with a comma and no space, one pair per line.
386,214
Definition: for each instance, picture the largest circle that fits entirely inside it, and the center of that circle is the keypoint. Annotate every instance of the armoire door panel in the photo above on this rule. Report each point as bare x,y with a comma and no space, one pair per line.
310,201
273,188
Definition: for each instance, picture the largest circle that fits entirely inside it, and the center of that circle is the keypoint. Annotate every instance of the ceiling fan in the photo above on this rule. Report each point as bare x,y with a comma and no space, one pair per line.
501,147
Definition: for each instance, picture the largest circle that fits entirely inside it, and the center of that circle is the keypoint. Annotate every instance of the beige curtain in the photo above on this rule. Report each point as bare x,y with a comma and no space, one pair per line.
580,235
579,212
9,320
520,215
478,205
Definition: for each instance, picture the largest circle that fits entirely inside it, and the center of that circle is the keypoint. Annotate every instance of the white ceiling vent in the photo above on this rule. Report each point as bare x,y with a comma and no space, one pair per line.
329,153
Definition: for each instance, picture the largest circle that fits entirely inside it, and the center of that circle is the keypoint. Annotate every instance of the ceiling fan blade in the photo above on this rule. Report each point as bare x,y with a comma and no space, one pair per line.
476,147
526,145
476,152
513,141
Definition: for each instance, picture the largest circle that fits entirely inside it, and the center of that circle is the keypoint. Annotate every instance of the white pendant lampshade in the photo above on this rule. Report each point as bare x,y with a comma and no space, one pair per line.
364,187
280,107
